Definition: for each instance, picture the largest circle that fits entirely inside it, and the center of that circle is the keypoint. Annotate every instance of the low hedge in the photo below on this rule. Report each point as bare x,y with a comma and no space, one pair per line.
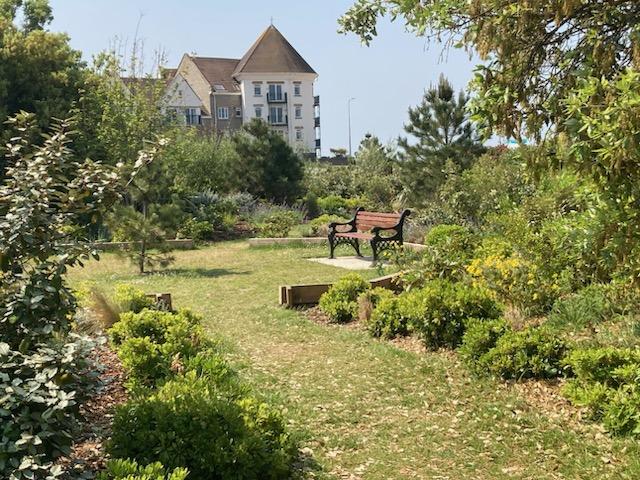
340,302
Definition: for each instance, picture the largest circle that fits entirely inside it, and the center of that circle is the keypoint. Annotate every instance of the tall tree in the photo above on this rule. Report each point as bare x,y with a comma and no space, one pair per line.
268,167
443,138
39,71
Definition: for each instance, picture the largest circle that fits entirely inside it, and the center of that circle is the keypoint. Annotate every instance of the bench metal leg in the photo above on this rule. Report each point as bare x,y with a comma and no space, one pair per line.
356,245
332,245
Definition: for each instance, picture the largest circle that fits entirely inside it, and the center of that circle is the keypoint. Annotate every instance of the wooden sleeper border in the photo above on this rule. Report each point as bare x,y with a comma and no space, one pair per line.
292,296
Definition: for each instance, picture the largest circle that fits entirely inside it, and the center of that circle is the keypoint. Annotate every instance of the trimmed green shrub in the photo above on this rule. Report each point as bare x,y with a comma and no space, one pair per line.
131,299
340,302
438,311
320,225
479,338
386,320
153,345
150,323
196,230
278,224
189,422
130,470
607,383
535,352
333,205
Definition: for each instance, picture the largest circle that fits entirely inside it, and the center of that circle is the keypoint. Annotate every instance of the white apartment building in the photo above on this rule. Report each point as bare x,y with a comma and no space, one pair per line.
271,82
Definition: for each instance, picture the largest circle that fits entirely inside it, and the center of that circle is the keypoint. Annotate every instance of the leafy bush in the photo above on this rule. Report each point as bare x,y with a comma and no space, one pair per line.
278,224
449,249
154,344
386,319
479,338
535,352
130,470
131,299
606,381
333,205
320,225
196,230
39,406
368,301
340,302
438,311
191,423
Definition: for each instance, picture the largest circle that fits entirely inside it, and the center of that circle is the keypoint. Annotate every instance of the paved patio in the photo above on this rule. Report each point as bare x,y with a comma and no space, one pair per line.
350,263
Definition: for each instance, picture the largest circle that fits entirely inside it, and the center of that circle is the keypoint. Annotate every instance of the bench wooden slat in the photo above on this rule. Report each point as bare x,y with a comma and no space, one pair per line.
364,213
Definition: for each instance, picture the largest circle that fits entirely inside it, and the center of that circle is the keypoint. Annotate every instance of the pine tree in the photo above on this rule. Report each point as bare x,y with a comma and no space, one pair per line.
445,140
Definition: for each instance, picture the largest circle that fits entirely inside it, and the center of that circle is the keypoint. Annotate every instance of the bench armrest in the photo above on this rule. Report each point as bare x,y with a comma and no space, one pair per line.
351,223
396,228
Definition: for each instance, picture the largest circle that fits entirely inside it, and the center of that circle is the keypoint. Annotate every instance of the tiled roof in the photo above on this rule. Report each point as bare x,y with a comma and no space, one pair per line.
218,72
272,53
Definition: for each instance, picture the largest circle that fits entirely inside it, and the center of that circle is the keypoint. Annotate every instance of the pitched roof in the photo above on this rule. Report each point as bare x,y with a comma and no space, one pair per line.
218,72
272,53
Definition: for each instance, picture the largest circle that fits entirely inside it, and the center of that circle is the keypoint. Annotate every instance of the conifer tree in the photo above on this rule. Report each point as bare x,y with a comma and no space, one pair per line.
443,140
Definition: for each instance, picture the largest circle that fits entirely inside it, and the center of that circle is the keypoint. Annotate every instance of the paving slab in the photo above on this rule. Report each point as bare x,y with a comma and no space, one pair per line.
350,263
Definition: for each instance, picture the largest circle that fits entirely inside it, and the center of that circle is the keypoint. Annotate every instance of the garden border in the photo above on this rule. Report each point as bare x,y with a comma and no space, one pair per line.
292,296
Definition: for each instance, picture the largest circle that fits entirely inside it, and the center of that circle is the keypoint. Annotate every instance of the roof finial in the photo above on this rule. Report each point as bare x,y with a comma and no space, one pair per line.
272,21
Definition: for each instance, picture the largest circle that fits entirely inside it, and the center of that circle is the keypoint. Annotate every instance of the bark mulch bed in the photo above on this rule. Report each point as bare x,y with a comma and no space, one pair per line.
87,452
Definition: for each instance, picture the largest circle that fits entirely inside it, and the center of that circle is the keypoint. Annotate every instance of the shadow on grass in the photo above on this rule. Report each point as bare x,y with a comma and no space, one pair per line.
306,466
200,272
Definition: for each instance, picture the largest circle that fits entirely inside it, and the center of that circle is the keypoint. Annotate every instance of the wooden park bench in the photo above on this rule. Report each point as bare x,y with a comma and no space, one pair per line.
382,230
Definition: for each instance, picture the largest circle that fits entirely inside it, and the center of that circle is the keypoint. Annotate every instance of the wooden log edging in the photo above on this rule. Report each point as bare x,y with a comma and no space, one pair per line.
292,296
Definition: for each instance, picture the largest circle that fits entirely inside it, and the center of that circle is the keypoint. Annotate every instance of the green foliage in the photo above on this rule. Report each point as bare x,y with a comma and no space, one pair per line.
438,311
234,438
534,352
196,230
130,470
147,247
320,225
143,361
586,308
606,382
41,73
268,166
333,205
39,408
445,141
131,299
386,319
278,224
479,338
340,302
449,249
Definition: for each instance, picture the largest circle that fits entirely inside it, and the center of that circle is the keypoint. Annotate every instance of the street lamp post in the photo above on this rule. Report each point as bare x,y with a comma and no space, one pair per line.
349,110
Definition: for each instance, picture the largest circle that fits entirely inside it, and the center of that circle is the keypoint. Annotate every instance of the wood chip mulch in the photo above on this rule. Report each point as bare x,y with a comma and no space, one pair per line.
87,452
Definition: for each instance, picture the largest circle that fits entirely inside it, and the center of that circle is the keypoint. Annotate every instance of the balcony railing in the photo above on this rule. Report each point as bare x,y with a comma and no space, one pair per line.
282,98
284,120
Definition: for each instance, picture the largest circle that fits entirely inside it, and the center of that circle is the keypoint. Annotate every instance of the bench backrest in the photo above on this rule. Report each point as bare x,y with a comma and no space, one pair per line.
365,221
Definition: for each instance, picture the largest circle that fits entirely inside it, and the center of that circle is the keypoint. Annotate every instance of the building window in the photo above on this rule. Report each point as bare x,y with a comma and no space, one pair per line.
275,92
297,89
257,90
276,116
238,111
299,134
223,113
192,116
258,112
298,111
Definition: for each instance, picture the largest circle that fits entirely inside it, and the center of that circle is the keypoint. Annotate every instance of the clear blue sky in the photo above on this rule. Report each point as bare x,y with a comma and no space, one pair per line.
385,78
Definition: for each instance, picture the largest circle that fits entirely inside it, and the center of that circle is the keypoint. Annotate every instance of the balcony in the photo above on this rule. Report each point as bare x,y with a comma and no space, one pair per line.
282,98
278,121
316,101
317,120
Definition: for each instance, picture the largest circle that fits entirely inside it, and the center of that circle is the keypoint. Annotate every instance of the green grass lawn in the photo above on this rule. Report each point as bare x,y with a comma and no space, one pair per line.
366,408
